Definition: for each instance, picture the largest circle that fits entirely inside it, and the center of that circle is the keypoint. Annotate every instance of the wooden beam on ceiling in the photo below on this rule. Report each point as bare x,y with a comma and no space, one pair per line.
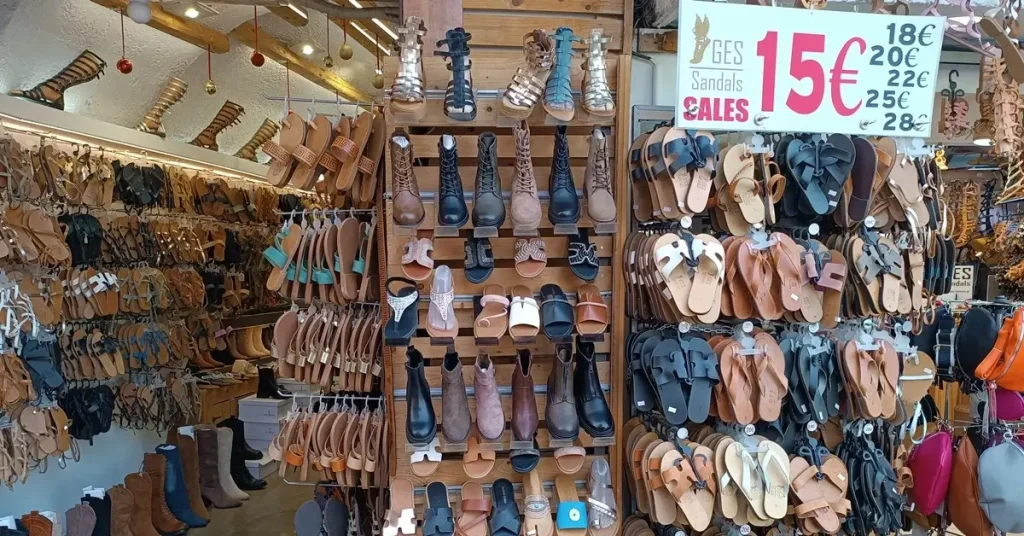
296,17
385,39
358,37
173,25
308,69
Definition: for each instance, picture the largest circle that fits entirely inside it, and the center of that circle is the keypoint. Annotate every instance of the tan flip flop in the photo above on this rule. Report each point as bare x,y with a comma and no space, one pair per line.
775,465
282,160
537,519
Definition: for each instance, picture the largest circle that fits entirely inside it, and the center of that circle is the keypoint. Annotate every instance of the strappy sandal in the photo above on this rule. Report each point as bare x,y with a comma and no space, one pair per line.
441,320
558,99
402,324
527,86
479,262
407,91
460,98
417,263
531,257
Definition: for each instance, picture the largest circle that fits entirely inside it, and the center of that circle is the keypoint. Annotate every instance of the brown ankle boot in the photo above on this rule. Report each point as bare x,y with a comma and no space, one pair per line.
229,115
87,66
170,96
266,132
190,464
164,521
122,503
142,515
405,190
209,472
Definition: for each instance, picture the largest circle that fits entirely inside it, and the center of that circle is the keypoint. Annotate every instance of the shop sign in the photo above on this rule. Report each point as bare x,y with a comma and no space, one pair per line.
962,288
775,69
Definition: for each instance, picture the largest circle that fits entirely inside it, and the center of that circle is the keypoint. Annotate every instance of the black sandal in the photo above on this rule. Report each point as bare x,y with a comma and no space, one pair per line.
583,257
556,313
403,322
479,260
460,95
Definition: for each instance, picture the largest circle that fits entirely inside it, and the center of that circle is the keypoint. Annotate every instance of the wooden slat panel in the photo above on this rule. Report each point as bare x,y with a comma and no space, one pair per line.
492,69
543,442
430,219
487,115
428,177
540,370
540,146
437,15
453,249
491,28
558,275
610,7
451,471
467,349
401,410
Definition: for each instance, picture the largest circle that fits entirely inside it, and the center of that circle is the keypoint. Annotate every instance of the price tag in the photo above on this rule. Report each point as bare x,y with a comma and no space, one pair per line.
771,69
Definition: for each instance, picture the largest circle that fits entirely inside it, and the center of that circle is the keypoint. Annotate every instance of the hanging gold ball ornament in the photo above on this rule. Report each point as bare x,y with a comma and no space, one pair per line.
328,62
210,87
378,81
345,52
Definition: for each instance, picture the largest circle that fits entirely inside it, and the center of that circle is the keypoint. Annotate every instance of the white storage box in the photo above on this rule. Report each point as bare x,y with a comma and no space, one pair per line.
261,468
265,410
260,445
262,431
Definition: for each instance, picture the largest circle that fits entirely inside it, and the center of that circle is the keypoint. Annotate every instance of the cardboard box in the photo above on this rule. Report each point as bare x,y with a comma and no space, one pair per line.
262,431
261,468
262,410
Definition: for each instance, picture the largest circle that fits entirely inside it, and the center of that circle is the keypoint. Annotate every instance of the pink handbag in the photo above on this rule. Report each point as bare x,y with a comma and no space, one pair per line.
932,464
1009,405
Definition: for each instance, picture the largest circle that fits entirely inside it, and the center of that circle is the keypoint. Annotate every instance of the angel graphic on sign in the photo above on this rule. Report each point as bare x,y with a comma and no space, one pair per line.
700,38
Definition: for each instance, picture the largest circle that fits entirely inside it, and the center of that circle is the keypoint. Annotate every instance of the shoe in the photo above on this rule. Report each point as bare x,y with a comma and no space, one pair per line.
459,99
563,203
142,496
488,206
456,423
527,85
230,114
597,95
209,472
558,99
265,133
81,520
405,191
38,525
155,467
407,89
267,386
597,180
240,473
121,505
591,408
560,413
190,465
526,209
490,417
420,421
239,444
86,67
102,509
174,487
171,95
524,402
451,207
225,438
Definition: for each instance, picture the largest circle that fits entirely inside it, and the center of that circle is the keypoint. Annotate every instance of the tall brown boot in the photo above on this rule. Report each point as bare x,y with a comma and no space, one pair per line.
122,503
190,464
209,471
142,516
266,132
163,520
87,66
170,96
229,115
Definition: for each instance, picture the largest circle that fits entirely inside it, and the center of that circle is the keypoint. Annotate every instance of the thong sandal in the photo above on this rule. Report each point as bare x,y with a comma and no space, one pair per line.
492,321
571,519
537,518
441,320
402,324
601,508
523,316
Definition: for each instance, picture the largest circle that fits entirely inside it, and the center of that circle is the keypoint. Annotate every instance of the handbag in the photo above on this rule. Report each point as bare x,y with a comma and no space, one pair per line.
962,502
1009,405
1001,486
932,463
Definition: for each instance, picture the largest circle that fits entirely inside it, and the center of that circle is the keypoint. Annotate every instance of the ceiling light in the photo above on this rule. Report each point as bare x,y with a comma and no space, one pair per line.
300,12
385,28
983,142
192,12
307,50
371,37
356,4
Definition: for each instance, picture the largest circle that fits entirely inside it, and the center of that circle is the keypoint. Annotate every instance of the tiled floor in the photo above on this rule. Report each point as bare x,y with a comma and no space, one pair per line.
268,512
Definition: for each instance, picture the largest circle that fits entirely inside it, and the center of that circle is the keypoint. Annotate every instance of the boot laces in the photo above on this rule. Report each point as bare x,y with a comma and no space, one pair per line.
403,172
602,180
449,170
486,167
524,165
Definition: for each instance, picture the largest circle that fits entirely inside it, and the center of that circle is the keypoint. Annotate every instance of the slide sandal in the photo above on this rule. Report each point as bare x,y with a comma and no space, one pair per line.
438,518
349,150
293,135
473,517
704,375
504,519
367,186
571,519
318,138
556,313
669,371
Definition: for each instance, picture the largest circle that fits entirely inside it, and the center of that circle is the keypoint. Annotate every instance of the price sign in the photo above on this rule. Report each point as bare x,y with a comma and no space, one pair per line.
774,69
963,283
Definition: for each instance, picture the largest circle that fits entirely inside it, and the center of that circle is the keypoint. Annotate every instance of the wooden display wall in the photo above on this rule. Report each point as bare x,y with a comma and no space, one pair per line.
497,27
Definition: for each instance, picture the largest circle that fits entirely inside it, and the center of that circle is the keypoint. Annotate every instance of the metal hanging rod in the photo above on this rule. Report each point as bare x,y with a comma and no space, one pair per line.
368,398
338,101
332,211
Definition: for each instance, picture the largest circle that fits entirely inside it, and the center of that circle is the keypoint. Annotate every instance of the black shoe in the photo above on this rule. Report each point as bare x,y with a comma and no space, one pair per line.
488,206
591,408
451,204
102,509
241,475
268,388
420,421
238,439
563,204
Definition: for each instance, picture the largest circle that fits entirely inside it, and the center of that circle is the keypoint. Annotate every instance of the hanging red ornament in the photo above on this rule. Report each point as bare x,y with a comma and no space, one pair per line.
124,64
257,59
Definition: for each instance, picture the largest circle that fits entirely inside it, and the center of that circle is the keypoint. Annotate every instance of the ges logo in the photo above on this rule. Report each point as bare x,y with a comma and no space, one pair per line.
718,74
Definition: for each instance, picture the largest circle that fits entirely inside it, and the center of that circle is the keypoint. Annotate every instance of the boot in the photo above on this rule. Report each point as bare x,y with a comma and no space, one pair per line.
420,421
238,439
37,524
460,99
142,494
164,521
591,408
563,203
407,89
488,206
456,422
527,85
267,386
229,115
558,99
102,509
122,502
87,66
560,413
526,210
597,95
190,465
81,520
597,180
405,191
265,133
170,96
451,208
244,341
224,439
256,340
174,487
209,474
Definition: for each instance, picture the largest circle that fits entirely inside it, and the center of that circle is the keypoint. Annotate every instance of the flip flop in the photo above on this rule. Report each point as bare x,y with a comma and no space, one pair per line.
281,255
705,292
403,322
441,320
537,518
292,136
524,315
775,467
745,471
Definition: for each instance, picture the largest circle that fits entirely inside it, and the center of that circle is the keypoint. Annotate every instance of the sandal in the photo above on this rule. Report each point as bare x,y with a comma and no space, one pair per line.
523,316
537,517
571,519
402,325
282,159
417,262
441,320
504,519
583,257
479,260
492,320
473,516
556,313
531,257
437,517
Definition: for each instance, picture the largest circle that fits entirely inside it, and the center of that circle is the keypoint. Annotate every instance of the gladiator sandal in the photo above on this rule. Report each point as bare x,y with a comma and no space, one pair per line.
558,99
597,96
87,66
170,96
266,132
527,85
459,99
407,89
229,115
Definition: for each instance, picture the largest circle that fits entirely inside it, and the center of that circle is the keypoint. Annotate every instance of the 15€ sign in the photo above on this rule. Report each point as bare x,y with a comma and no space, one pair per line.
775,69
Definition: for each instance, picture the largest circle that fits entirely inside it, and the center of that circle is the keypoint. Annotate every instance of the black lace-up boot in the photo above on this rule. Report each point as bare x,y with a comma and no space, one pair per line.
451,205
564,204
488,207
